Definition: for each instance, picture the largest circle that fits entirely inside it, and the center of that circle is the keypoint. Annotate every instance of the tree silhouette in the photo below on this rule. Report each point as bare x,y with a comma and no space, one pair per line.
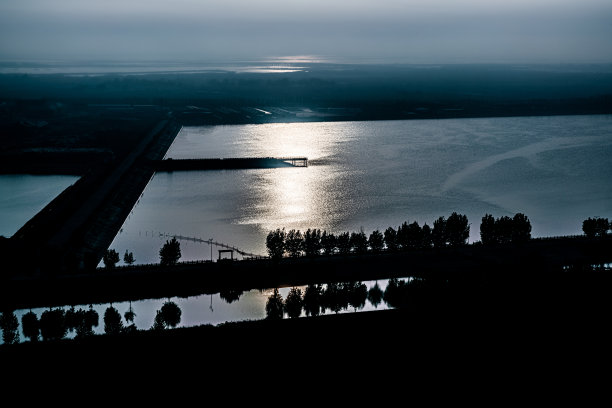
171,314
488,234
170,253
111,257
503,229
343,241
294,303
312,242
391,239
91,317
376,241
71,318
275,243
9,325
53,325
414,235
438,233
602,226
130,315
128,258
230,295
521,228
357,294
457,230
595,227
158,322
426,238
403,237
294,243
274,306
359,242
80,321
112,321
375,295
334,297
30,326
394,292
328,243
312,299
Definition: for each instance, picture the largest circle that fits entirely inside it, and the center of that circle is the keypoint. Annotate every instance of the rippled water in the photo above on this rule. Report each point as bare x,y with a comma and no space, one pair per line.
371,175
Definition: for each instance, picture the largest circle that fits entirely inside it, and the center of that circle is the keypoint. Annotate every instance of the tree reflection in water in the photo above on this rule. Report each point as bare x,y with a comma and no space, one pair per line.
312,300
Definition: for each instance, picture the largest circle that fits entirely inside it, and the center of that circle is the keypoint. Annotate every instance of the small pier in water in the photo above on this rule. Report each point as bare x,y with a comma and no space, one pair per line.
230,163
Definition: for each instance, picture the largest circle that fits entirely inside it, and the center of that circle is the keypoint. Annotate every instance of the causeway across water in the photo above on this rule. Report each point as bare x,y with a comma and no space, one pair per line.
230,163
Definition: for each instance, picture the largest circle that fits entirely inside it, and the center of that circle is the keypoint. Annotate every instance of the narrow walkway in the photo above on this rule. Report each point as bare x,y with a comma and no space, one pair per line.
229,163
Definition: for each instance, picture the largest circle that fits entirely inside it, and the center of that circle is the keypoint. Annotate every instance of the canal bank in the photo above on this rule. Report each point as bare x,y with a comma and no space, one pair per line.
537,265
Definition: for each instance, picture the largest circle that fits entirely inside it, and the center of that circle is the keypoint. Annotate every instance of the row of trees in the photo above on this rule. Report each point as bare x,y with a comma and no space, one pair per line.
335,297
169,254
453,232
111,257
596,227
505,230
55,324
316,299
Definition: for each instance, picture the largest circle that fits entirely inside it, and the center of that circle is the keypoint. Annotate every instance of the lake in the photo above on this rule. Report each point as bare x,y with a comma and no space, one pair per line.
22,196
372,175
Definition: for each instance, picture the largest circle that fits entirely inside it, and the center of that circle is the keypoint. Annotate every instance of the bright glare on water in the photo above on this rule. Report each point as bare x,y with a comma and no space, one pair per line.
372,175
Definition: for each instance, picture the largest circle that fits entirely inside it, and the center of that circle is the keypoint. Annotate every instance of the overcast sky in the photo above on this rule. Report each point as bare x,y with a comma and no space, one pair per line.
412,31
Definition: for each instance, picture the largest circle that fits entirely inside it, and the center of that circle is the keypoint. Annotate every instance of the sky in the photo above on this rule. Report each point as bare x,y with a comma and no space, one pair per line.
408,31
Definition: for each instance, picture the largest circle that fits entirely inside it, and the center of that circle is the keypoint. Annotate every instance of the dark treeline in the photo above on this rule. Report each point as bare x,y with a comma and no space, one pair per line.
335,297
453,231
505,230
316,299
55,323
596,227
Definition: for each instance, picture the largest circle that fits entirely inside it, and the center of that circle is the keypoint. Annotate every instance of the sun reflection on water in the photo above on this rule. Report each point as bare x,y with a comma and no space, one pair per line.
292,198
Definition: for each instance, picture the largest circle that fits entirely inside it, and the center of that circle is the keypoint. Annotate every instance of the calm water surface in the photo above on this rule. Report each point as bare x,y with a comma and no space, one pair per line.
372,175
22,196
197,310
